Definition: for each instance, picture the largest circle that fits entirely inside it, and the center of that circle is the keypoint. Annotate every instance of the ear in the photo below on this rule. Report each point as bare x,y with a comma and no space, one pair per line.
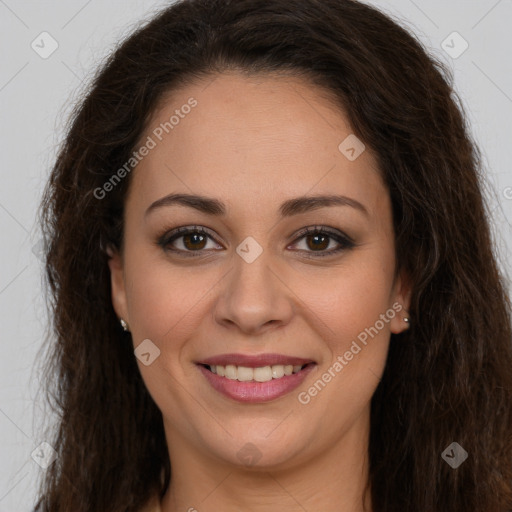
401,301
115,264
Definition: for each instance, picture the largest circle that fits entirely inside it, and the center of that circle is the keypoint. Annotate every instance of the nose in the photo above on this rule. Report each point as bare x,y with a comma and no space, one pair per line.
254,297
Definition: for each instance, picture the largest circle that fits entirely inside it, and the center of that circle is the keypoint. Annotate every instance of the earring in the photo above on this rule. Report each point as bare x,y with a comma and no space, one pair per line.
407,320
124,325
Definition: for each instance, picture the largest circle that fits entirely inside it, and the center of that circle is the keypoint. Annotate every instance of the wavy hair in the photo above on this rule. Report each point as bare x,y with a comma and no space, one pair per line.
448,378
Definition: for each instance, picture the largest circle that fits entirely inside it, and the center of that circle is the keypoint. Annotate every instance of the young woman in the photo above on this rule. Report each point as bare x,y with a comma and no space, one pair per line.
272,276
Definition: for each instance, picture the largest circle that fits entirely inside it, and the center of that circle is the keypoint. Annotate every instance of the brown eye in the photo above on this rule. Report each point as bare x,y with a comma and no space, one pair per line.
317,242
187,240
318,239
194,241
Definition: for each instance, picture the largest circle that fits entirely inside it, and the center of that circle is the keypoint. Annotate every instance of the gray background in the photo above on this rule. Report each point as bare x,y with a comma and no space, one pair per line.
36,95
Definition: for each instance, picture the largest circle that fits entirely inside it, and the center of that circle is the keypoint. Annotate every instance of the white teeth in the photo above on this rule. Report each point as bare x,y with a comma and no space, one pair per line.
244,374
261,374
231,372
277,371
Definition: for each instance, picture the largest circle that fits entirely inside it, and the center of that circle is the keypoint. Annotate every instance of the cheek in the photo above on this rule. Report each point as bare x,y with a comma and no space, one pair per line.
349,299
349,375
165,301
353,306
166,304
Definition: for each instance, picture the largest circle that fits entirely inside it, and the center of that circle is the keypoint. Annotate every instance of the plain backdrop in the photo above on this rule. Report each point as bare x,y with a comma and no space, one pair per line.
37,91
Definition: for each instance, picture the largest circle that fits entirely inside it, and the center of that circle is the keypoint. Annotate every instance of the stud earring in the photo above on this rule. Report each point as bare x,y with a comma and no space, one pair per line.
407,320
124,325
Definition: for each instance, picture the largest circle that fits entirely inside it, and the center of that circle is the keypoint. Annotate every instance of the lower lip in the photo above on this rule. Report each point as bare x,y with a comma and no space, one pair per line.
256,392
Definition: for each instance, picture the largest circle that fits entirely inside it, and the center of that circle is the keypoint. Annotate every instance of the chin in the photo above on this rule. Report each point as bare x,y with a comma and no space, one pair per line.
261,453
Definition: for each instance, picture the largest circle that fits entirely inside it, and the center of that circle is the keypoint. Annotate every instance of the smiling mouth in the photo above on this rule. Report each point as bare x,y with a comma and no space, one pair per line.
259,374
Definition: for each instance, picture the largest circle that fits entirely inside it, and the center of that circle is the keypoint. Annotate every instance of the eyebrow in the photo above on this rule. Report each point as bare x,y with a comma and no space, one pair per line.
290,207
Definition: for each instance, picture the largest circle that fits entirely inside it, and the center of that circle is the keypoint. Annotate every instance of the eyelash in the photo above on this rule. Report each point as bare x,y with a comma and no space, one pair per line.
343,240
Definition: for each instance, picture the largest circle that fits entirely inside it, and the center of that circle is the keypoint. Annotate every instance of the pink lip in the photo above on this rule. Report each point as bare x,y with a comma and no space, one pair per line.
256,392
254,361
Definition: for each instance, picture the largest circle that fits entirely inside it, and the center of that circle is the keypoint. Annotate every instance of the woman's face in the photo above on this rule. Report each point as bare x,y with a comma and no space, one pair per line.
255,154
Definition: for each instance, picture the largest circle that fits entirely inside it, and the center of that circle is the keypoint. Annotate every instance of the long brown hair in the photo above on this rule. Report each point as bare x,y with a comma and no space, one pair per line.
447,379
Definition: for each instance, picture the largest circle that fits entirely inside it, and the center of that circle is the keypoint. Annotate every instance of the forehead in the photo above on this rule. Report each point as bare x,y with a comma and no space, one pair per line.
252,140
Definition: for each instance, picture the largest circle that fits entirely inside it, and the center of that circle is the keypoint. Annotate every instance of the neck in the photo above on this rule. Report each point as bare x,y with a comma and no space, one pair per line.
334,480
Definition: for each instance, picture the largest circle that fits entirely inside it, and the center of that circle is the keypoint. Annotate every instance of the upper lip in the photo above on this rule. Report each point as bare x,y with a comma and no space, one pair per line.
254,361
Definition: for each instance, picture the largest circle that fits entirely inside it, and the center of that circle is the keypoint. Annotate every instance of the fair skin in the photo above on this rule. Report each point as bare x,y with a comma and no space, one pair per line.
253,143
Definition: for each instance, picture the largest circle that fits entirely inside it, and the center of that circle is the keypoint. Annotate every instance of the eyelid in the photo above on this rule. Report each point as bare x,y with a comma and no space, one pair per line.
344,241
323,229
341,238
170,235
